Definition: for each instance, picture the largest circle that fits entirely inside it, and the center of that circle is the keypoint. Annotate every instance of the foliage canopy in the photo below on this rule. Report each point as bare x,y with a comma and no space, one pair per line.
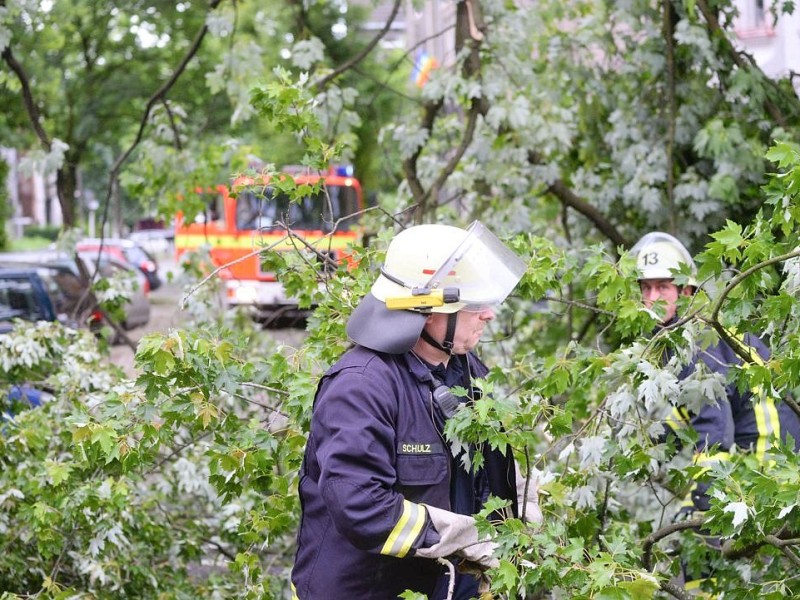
570,130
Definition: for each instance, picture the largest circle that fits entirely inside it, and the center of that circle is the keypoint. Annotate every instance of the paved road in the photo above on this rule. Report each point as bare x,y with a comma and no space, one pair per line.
165,313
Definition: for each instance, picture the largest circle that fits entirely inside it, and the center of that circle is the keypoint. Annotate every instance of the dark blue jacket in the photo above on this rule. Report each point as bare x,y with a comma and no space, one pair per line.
746,419
757,416
374,454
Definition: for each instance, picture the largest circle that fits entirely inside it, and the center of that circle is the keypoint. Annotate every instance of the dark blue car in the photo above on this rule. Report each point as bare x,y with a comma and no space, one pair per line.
22,296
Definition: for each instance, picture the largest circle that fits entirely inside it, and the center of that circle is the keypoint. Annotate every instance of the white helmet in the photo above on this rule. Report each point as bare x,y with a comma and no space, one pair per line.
660,255
432,268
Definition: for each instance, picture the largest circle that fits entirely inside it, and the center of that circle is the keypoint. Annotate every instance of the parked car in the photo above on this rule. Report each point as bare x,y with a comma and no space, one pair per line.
136,310
126,251
26,395
155,241
23,295
62,279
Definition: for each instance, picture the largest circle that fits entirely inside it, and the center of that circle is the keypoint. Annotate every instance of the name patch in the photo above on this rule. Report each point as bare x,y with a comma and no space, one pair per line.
420,448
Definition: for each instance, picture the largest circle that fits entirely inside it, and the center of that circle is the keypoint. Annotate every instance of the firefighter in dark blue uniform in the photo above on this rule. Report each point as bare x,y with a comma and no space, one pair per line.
383,499
751,419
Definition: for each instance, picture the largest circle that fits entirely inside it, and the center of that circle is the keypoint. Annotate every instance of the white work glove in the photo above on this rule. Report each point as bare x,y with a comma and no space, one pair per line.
458,536
528,503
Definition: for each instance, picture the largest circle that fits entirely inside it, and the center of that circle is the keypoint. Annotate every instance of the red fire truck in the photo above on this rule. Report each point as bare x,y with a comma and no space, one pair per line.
252,215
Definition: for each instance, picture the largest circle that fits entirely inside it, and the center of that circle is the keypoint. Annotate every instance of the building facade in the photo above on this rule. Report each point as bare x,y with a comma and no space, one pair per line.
773,43
33,196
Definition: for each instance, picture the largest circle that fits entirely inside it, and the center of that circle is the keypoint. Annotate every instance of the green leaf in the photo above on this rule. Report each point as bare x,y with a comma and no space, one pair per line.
57,472
730,237
644,586
106,437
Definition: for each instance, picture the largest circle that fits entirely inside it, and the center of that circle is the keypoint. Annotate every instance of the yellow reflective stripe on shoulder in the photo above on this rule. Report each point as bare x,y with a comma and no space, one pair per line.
294,593
738,340
406,530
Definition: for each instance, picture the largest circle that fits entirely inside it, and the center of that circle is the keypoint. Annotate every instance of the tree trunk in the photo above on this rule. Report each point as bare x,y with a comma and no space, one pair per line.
66,186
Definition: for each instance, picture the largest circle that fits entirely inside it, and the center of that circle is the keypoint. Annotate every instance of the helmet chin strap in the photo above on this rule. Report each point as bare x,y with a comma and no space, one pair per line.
447,344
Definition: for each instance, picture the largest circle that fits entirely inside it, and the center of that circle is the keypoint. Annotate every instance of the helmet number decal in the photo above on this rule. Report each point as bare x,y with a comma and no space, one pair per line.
651,258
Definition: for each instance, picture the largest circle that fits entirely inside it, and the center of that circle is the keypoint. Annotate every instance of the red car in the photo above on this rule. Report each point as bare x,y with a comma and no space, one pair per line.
125,251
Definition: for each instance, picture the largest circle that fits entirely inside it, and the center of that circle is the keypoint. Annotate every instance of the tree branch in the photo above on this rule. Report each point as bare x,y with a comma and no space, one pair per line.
466,28
672,111
660,534
158,96
675,591
792,403
364,53
716,31
27,96
741,349
569,198
466,140
431,109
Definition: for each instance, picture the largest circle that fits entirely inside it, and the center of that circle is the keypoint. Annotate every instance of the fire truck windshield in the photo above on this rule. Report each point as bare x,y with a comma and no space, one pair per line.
263,210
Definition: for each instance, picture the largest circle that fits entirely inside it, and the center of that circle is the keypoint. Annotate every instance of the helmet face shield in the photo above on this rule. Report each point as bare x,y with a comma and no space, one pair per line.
480,307
433,268
442,269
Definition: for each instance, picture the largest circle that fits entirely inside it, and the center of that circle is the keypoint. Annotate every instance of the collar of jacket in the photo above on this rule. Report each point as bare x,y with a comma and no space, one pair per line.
418,368
661,326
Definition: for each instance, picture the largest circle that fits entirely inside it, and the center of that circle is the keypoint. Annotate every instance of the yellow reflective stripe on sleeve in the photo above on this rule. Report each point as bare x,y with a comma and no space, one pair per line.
294,593
406,530
767,421
766,413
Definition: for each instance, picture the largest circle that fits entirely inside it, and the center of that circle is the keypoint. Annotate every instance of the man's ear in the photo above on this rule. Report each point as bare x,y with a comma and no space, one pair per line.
687,290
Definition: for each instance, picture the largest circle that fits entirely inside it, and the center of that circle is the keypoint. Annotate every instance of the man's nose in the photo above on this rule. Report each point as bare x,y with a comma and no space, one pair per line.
651,295
487,314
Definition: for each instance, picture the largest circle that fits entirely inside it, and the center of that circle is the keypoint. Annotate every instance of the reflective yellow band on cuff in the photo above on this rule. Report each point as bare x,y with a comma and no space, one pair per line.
694,584
679,419
406,530
706,459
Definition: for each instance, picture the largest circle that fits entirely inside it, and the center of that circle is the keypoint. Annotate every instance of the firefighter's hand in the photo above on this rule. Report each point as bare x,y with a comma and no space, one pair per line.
528,499
458,536
480,554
